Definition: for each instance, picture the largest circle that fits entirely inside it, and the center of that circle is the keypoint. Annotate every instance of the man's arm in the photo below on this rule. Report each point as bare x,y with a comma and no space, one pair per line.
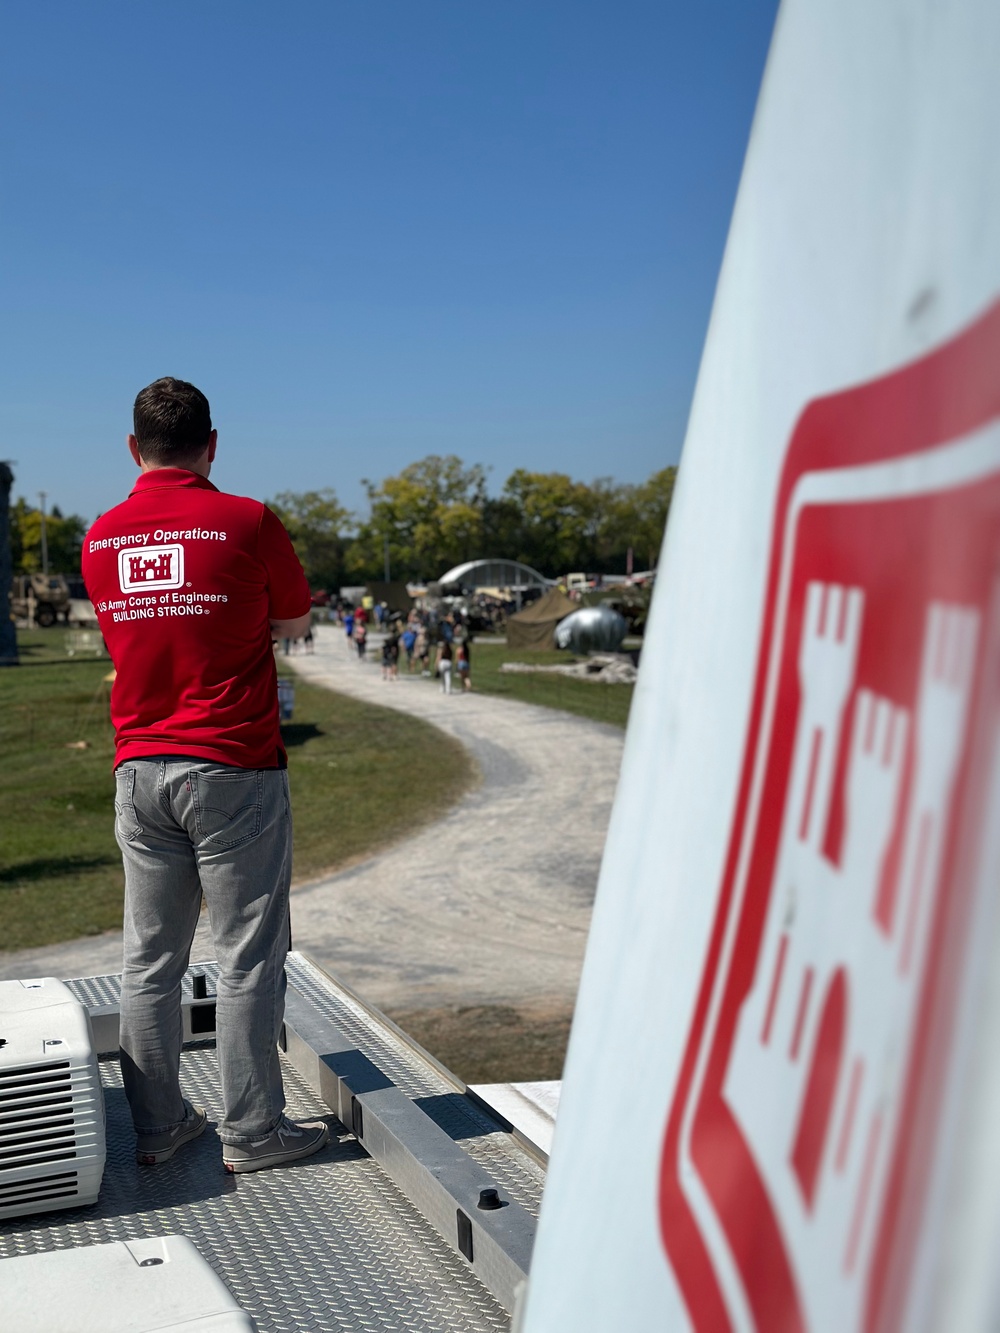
287,586
292,629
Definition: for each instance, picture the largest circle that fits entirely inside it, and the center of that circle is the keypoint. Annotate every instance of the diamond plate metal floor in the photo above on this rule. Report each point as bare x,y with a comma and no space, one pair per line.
325,1244
518,1174
515,1171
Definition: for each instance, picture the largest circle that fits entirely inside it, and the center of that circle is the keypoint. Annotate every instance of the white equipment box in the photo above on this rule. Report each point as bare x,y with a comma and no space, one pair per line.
52,1145
132,1286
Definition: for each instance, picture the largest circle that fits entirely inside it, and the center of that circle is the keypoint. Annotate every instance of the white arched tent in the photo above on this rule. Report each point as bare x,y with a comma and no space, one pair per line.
495,576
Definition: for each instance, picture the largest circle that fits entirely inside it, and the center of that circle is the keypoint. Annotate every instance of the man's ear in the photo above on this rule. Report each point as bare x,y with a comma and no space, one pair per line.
133,448
213,440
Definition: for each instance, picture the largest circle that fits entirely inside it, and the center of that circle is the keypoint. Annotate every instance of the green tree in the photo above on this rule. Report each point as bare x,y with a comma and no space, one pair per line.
430,517
501,527
558,520
557,524
319,527
64,538
647,507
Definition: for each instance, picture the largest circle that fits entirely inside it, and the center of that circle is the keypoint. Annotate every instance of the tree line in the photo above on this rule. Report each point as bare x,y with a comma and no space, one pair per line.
434,514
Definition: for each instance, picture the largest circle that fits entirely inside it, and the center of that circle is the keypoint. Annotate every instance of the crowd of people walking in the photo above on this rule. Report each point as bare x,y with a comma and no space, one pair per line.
431,645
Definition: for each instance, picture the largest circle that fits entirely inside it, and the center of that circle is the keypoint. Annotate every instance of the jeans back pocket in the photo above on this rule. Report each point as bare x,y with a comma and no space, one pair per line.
227,805
127,826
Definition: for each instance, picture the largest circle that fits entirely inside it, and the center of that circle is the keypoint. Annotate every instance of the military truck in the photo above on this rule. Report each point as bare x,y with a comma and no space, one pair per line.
39,597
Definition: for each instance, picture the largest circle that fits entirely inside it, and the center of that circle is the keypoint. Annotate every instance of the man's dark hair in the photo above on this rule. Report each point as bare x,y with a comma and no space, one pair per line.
172,422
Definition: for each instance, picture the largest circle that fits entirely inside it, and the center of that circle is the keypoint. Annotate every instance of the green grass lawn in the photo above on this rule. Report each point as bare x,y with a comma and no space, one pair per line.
603,703
60,870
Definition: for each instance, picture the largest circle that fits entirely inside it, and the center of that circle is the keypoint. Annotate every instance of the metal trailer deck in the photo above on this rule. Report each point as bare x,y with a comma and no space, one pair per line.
381,1230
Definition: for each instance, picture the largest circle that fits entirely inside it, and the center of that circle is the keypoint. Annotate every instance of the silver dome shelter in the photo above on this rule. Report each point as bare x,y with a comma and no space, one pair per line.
592,629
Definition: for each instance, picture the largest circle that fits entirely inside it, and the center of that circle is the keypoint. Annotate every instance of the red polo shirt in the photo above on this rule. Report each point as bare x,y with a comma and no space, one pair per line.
185,580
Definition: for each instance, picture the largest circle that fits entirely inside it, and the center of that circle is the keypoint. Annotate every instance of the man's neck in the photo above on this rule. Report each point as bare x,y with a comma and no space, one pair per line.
199,465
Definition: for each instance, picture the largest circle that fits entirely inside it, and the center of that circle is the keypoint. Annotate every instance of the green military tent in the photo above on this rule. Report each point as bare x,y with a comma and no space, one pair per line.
535,626
394,595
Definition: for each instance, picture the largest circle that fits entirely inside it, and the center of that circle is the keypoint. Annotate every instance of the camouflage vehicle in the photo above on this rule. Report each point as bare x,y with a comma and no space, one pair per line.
42,597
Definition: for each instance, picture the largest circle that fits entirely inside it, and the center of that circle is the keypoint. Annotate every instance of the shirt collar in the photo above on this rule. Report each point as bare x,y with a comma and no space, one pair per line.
172,477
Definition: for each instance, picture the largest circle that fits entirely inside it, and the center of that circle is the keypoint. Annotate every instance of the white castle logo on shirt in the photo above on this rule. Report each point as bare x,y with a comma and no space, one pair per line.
145,566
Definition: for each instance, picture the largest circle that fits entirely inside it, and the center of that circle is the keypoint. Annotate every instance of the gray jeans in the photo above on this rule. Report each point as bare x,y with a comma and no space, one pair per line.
187,827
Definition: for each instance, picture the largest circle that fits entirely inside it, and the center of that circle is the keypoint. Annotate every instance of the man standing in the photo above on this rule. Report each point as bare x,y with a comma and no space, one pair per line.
189,585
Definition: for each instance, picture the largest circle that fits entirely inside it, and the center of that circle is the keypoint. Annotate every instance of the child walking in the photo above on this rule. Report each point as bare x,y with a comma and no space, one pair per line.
444,660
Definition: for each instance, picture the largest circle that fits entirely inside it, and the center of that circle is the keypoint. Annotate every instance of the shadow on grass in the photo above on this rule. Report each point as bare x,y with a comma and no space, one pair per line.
53,867
297,733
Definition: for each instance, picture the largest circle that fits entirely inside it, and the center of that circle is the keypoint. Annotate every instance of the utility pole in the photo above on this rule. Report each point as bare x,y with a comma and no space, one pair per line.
385,551
45,536
8,636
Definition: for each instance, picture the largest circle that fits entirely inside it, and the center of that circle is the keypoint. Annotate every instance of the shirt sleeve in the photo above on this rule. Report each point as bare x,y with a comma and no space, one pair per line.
287,590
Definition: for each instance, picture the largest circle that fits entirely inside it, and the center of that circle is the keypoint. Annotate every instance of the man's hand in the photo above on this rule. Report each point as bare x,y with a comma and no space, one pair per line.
292,629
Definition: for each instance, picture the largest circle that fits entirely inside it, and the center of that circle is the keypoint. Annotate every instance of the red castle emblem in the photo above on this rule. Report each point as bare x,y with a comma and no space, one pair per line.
801,1144
151,566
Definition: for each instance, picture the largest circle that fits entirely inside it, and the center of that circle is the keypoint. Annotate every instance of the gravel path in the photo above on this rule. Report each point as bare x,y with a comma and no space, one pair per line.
491,903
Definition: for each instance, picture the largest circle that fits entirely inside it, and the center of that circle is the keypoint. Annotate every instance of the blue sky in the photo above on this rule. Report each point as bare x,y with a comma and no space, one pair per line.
369,231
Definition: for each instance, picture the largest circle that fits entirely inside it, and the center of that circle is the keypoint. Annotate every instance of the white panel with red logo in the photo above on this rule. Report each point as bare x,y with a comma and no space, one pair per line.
782,1108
